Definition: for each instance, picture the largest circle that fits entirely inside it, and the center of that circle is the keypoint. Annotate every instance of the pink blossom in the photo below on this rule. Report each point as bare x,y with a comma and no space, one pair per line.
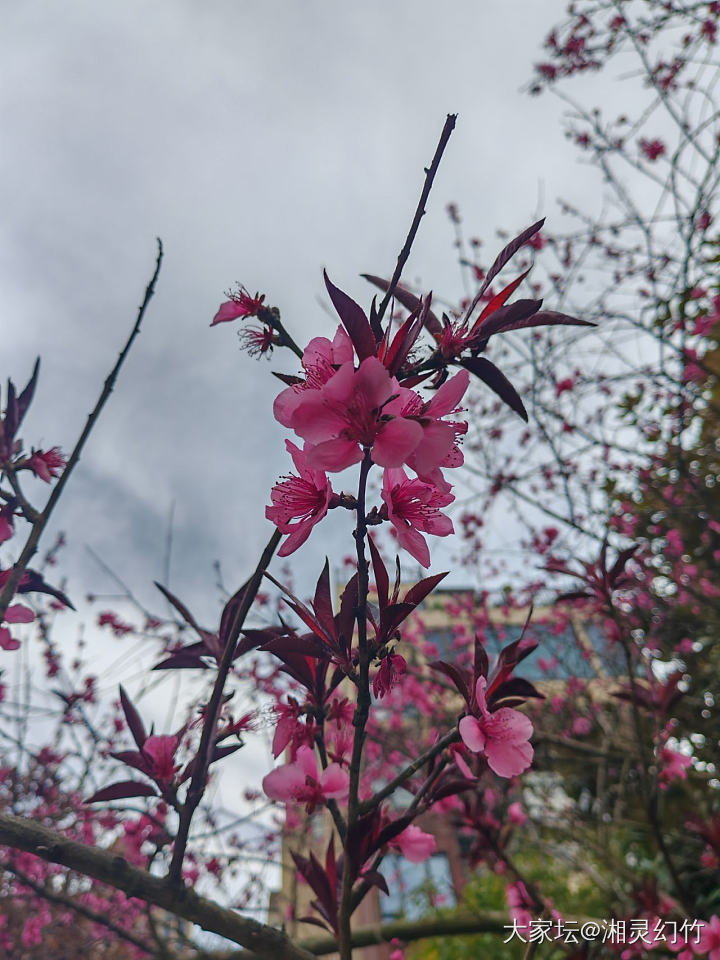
239,305
304,499
301,782
414,844
439,444
47,464
673,766
652,149
320,360
502,736
159,753
391,669
414,506
709,941
347,415
516,814
16,613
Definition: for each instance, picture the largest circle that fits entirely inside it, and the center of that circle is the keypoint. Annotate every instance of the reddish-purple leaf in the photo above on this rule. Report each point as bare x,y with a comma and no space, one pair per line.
353,319
122,791
509,317
459,677
137,728
494,378
408,300
417,593
229,625
33,582
382,581
499,299
180,607
508,252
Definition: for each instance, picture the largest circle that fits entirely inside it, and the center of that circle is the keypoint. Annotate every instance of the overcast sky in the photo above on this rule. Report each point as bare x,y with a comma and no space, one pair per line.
262,141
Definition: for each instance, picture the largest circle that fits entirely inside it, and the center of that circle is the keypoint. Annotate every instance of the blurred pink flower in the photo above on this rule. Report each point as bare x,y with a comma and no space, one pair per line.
301,782
502,736
393,667
47,464
414,844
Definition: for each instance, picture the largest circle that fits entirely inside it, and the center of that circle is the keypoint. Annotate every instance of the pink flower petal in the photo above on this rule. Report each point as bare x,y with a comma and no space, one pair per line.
472,734
230,310
17,613
335,783
284,783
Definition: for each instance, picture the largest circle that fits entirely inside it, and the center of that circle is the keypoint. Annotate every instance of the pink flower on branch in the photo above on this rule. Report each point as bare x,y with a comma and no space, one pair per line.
502,736
240,304
392,668
16,613
303,499
414,844
47,464
413,508
347,414
301,781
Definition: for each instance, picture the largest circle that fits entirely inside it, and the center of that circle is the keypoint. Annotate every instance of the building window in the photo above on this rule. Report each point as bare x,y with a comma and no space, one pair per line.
415,888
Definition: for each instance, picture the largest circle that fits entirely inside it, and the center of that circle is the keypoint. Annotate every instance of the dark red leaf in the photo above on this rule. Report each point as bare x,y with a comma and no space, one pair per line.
382,580
508,252
137,728
510,317
417,593
494,378
499,299
408,300
122,791
353,319
458,676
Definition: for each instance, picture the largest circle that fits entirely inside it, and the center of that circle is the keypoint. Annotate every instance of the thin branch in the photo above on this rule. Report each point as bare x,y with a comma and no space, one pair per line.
202,762
43,517
419,213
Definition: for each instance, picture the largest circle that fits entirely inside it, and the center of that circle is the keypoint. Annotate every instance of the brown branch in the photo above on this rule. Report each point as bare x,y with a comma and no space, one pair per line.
199,777
266,941
43,517
407,931
419,212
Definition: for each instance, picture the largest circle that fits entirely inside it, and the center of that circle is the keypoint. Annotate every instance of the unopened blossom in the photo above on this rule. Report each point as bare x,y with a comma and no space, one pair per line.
47,464
301,781
413,508
392,668
501,736
239,305
516,814
652,149
159,752
348,415
15,613
414,844
298,502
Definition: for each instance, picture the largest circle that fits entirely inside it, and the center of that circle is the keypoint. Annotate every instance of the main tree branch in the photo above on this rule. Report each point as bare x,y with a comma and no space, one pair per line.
260,939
